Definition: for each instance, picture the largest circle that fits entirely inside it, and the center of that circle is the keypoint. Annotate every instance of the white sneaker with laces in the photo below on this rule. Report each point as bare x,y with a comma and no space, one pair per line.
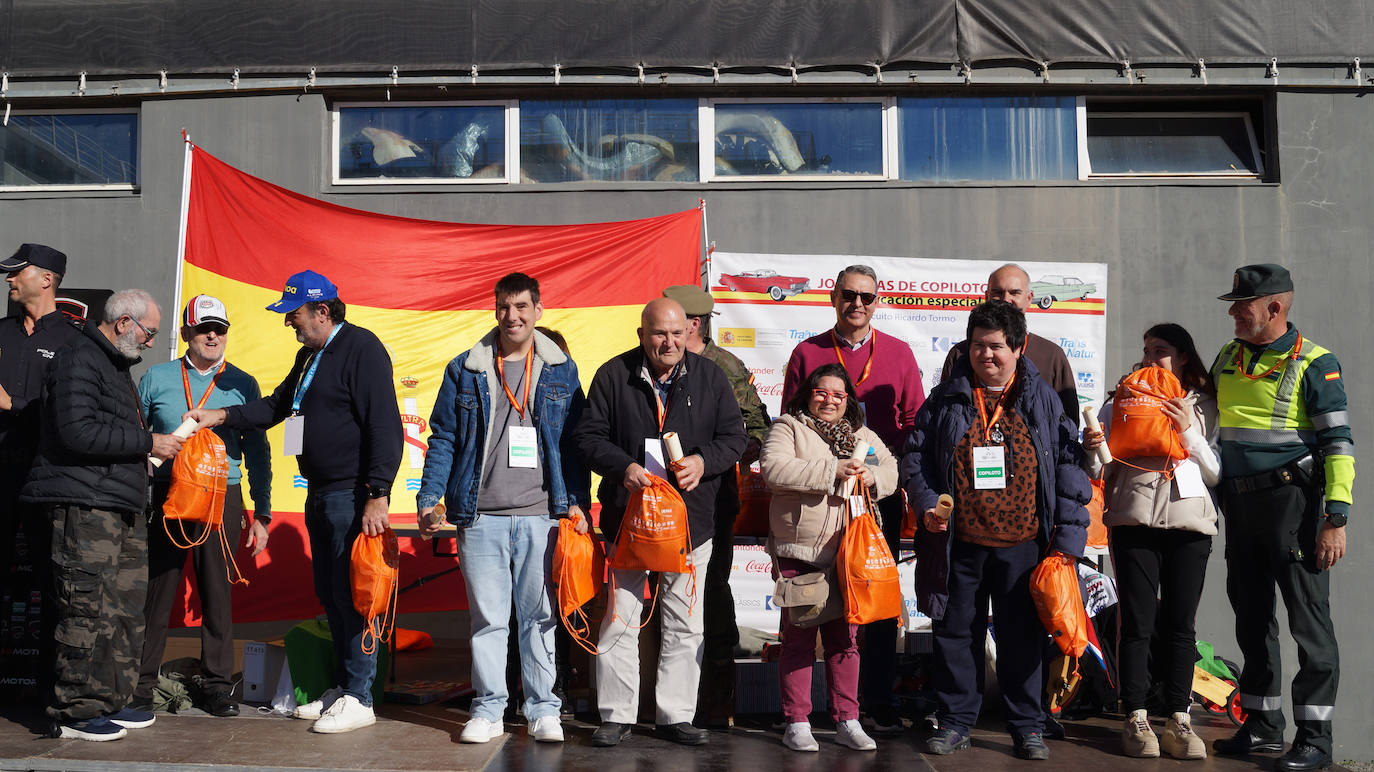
851,734
546,729
1179,741
1138,740
345,715
798,737
311,711
480,730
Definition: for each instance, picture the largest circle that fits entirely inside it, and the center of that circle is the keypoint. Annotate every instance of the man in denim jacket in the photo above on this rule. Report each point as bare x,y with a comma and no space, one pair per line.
496,455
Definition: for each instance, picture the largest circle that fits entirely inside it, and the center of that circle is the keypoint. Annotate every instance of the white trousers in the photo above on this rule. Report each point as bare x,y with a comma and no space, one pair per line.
679,659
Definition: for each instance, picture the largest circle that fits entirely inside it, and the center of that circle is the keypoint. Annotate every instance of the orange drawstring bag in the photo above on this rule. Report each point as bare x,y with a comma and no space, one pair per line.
1140,429
1097,530
867,572
375,571
579,568
1058,601
200,477
655,536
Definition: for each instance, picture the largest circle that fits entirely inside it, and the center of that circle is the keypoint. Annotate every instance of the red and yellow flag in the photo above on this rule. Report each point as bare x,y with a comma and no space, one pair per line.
424,287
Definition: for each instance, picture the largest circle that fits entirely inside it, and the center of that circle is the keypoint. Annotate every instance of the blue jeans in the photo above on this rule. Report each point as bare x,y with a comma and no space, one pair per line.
334,519
505,559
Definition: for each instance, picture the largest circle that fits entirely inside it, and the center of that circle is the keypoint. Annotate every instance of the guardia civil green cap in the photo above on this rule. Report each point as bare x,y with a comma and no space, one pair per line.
695,300
1258,281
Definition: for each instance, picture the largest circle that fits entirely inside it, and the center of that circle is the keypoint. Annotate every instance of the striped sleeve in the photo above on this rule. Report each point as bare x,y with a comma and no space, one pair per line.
1324,391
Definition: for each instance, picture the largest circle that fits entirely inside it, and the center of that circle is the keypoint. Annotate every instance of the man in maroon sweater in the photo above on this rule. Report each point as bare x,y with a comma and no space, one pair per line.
888,384
1011,284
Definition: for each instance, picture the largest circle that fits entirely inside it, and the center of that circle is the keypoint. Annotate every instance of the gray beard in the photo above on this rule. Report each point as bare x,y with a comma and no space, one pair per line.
128,345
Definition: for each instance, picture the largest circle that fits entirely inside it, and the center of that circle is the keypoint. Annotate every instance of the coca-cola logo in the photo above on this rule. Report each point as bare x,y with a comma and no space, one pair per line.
758,567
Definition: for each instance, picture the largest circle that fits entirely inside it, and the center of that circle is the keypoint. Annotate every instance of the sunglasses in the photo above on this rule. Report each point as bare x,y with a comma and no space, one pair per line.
149,333
208,327
849,296
829,396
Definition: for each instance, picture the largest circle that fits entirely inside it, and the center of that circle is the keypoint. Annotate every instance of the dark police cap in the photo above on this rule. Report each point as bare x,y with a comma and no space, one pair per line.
695,300
47,258
1258,281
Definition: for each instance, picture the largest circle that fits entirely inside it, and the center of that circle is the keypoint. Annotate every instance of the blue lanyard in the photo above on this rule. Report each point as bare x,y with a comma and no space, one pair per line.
309,376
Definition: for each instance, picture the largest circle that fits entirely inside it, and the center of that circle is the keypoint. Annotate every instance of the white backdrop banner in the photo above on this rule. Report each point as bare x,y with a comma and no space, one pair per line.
768,303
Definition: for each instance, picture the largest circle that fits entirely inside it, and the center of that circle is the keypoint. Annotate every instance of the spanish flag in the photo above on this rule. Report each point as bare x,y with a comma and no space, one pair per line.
425,289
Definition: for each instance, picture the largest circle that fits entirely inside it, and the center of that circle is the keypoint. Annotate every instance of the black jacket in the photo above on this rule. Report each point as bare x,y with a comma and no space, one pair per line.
621,413
93,449
353,432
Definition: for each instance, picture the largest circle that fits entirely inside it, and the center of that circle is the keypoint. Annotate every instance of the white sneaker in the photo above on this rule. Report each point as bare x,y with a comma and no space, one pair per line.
311,711
1179,741
851,734
798,737
345,715
480,730
547,729
1138,740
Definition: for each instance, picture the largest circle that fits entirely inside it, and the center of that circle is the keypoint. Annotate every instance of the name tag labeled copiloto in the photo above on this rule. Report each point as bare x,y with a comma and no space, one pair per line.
524,450
989,468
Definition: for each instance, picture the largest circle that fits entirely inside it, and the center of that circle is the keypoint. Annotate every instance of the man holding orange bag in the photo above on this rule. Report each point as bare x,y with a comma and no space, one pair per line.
635,401
995,437
500,454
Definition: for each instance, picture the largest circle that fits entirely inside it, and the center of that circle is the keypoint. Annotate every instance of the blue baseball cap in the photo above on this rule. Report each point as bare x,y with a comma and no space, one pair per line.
304,287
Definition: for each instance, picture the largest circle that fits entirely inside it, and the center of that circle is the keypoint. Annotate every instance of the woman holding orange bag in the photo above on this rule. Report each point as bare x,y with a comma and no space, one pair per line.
1162,523
808,462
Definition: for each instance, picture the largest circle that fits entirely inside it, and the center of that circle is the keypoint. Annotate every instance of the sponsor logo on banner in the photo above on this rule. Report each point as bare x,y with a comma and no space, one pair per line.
940,344
1076,348
739,337
766,338
1086,381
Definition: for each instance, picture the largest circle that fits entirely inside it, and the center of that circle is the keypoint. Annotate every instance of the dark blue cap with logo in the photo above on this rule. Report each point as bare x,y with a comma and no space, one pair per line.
304,287
1258,281
38,255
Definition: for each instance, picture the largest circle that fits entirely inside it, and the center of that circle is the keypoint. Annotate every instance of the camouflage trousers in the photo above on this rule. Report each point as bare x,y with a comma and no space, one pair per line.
99,580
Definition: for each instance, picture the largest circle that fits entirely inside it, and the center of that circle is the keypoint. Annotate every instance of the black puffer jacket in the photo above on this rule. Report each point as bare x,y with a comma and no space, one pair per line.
93,449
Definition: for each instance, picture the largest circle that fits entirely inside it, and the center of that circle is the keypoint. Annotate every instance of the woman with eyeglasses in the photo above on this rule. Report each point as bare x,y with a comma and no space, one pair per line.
1161,535
807,463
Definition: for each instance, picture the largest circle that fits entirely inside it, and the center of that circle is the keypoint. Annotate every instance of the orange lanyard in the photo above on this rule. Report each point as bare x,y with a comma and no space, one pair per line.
660,406
996,411
186,382
873,349
529,371
1240,361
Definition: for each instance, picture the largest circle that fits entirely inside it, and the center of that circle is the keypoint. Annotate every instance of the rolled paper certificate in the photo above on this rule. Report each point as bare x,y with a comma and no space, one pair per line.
944,507
859,454
435,517
1090,420
674,447
187,428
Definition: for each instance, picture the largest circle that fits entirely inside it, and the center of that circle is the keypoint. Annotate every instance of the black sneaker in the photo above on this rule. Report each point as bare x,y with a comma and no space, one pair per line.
98,729
1242,743
1030,746
1053,729
1302,758
682,734
946,741
610,734
883,722
130,717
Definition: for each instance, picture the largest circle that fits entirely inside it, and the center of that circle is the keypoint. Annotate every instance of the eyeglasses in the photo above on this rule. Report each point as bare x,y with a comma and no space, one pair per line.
215,327
825,395
849,296
149,333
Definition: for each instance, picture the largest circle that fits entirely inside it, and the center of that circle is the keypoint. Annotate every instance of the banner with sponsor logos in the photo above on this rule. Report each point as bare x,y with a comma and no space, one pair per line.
768,303
425,289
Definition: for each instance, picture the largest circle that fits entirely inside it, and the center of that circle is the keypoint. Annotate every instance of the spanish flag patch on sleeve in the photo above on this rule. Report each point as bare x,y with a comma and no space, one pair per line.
1336,376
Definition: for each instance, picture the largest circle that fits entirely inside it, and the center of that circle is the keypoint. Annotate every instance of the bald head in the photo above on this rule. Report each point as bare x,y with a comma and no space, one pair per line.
1010,284
663,335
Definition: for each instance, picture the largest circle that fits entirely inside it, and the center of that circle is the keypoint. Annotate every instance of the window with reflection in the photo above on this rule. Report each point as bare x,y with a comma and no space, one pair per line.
433,142
1172,144
609,140
69,149
988,138
810,138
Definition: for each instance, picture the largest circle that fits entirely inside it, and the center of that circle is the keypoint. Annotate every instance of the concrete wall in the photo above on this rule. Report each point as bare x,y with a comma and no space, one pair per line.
1171,249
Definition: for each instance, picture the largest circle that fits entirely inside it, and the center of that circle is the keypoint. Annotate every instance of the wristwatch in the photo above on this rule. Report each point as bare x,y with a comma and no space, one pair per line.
378,491
1336,519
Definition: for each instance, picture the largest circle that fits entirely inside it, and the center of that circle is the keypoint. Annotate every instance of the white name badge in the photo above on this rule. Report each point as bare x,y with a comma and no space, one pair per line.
858,506
1188,480
653,458
293,444
989,468
524,452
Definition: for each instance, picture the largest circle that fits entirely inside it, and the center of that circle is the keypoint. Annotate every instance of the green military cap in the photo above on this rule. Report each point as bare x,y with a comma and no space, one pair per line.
1258,281
695,300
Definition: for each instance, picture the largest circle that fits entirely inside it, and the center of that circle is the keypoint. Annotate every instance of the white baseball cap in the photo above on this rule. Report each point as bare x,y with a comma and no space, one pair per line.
204,308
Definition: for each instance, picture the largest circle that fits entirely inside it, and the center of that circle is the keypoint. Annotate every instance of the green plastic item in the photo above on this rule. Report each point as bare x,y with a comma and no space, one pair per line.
310,657
1211,663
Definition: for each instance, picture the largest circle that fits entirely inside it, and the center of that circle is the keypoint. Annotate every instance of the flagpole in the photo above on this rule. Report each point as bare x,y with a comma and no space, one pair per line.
706,237
181,243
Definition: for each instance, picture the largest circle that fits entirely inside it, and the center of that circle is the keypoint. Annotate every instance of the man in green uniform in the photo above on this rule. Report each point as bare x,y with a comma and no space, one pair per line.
717,693
1287,469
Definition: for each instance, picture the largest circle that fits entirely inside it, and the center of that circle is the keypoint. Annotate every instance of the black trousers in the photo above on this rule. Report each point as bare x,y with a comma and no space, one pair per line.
1159,577
878,652
1270,544
716,695
165,563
